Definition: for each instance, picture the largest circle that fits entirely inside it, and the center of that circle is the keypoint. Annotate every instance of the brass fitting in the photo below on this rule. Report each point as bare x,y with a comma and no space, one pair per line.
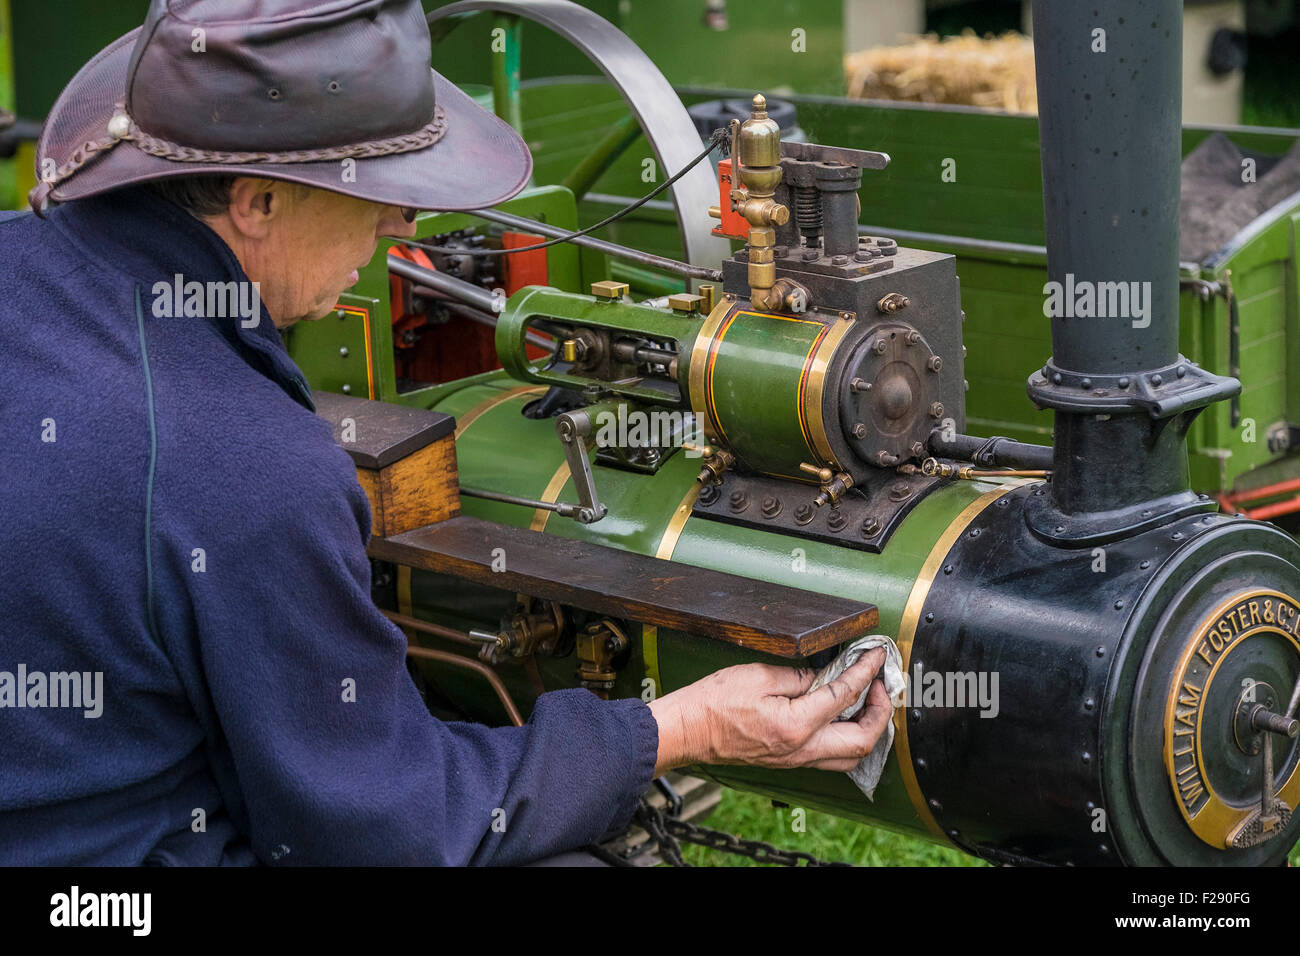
759,151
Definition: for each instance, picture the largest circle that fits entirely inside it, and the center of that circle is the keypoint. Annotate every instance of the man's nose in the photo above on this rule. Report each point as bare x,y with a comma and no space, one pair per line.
395,223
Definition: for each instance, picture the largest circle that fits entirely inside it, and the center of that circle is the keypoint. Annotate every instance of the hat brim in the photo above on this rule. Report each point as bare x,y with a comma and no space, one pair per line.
479,162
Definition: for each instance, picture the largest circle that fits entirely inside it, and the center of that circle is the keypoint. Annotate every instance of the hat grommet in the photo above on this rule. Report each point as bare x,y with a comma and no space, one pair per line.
119,126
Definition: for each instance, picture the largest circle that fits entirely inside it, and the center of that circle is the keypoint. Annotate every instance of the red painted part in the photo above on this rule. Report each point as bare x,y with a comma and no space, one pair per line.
454,349
733,223
1277,509
524,269
1267,491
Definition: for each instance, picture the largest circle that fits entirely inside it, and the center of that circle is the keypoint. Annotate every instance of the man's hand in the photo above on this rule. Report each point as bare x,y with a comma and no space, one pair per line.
762,715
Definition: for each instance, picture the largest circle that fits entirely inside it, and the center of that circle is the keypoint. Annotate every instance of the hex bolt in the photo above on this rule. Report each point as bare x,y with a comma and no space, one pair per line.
884,459
771,506
708,494
936,409
739,501
879,346
912,337
839,260
859,430
863,255
934,363
803,514
870,527
859,385
899,491
836,520
809,255
918,449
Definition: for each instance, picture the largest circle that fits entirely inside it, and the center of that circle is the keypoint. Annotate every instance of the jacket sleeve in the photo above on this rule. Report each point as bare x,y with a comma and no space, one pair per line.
330,753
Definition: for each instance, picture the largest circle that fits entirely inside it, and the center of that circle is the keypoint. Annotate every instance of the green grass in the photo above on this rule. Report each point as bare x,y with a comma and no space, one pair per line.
825,837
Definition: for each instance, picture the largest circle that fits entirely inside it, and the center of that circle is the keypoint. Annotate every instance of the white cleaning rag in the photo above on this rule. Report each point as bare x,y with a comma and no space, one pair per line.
867,773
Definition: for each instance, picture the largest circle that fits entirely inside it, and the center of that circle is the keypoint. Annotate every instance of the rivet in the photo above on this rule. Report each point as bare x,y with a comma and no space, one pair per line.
1157,380
936,805
1056,378
947,569
1089,704
1086,383
1144,565
920,763
334,86
347,389
1180,371
342,313
1119,605
974,532
1101,652
1086,757
344,351
929,618
1060,529
1123,382
1177,536
273,93
915,714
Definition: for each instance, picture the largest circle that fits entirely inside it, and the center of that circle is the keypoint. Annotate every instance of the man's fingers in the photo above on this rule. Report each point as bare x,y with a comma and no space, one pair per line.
821,706
841,744
790,681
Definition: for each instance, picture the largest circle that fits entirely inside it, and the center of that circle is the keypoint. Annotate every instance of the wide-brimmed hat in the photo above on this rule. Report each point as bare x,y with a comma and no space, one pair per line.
337,94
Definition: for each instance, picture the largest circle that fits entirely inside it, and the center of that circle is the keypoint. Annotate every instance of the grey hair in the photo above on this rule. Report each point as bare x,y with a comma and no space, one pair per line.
200,195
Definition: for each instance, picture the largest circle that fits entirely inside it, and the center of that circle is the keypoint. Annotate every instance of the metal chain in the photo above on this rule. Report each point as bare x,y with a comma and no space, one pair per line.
668,832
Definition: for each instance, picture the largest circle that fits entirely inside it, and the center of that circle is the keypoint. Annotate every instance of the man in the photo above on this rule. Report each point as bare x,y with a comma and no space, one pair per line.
196,671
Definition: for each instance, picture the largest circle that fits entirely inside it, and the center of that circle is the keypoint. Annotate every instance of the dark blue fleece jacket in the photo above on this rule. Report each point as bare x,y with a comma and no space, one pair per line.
175,518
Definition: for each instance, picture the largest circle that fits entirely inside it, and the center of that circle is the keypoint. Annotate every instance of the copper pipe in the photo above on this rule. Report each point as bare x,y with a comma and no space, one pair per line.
455,659
445,657
428,627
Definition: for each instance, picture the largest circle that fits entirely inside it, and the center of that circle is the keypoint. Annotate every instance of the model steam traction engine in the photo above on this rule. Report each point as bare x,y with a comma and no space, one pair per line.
808,481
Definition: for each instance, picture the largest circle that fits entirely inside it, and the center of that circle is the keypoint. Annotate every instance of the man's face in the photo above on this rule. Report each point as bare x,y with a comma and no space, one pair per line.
313,247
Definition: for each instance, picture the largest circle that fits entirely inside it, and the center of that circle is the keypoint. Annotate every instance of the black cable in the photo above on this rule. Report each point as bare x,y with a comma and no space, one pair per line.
721,139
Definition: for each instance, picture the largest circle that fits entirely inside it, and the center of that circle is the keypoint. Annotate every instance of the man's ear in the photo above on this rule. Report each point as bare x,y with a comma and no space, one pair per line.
255,205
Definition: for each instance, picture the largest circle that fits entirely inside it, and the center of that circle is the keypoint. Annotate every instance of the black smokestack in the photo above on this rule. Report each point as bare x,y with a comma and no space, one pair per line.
1110,121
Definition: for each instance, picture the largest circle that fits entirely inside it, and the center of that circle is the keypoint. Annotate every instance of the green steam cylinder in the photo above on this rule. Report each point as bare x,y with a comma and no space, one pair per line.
501,450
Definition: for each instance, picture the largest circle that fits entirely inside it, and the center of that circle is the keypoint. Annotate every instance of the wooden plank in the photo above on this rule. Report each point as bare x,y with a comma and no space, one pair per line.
772,618
381,433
